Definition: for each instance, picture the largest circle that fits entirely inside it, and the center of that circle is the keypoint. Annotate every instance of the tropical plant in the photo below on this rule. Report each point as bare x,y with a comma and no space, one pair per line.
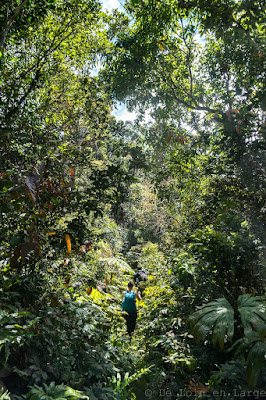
230,376
254,345
4,394
55,392
15,328
219,319
120,385
186,188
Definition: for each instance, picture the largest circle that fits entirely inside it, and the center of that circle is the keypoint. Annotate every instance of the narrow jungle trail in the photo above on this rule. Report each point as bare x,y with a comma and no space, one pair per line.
159,362
163,360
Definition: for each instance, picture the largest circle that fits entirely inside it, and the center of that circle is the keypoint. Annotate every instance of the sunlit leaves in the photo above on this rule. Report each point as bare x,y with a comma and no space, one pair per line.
55,392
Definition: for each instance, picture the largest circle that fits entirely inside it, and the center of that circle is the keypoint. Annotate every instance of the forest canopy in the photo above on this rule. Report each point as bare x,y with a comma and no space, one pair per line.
86,198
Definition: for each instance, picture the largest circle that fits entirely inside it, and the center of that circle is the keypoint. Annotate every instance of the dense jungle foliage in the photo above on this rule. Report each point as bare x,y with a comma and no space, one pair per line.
85,198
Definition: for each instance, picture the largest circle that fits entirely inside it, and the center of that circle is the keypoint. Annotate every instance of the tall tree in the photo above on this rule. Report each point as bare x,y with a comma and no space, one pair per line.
200,67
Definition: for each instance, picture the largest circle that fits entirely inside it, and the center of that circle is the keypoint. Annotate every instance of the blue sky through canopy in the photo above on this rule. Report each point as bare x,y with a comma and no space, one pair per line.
120,111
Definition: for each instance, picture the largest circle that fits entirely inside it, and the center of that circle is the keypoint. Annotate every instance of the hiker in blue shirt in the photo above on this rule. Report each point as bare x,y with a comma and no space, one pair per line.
130,308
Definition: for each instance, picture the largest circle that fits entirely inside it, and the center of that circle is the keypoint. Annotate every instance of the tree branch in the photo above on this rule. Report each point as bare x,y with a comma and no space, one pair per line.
181,100
228,90
10,23
41,61
189,105
188,54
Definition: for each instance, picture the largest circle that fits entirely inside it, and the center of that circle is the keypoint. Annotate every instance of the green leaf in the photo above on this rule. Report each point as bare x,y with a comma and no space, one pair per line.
252,311
255,362
217,316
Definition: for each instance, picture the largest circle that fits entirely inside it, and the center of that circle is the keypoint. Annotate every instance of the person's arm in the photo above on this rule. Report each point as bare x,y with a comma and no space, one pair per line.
138,295
123,294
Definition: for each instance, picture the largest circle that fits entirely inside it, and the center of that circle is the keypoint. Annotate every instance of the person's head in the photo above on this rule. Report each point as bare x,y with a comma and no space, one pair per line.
88,243
130,285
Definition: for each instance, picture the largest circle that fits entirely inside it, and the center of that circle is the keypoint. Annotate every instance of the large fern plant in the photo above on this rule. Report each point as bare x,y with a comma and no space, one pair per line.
219,319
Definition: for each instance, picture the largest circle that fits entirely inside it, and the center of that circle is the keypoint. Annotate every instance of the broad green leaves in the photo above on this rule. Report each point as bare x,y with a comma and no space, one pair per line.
252,311
219,318
68,175
217,315
55,392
